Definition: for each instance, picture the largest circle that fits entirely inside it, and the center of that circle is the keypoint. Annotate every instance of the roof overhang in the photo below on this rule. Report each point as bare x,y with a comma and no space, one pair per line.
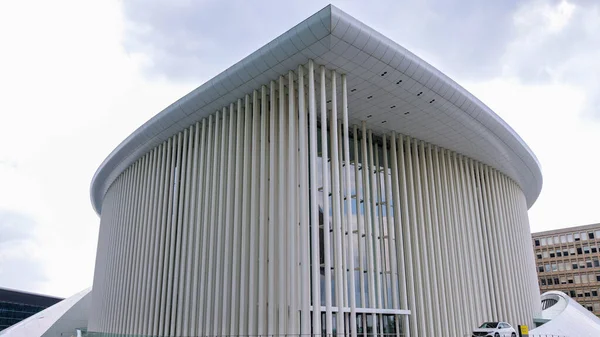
444,113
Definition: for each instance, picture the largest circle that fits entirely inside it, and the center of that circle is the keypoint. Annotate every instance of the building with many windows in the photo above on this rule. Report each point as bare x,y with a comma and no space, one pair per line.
16,305
331,182
568,260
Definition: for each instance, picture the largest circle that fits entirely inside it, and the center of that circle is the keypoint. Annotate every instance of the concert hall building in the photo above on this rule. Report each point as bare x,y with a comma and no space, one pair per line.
331,182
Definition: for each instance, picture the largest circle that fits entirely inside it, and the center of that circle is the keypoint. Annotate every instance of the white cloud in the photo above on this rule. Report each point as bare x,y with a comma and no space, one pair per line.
70,95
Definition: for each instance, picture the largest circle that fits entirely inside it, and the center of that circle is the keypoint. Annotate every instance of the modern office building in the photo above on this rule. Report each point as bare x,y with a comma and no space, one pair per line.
16,305
568,260
330,182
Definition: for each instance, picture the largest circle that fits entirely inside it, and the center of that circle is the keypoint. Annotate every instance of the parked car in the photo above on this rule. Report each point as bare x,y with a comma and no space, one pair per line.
495,329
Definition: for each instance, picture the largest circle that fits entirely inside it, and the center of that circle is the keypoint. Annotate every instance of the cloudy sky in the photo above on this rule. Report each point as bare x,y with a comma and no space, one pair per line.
77,77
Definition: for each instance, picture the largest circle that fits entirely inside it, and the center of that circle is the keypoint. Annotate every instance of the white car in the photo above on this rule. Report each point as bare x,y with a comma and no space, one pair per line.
495,329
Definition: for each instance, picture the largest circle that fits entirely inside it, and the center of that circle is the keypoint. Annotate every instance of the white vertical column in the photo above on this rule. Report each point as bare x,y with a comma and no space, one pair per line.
249,221
314,207
406,216
375,224
366,167
199,226
433,234
228,223
263,214
167,224
390,206
420,309
238,223
427,236
421,223
282,213
209,308
336,209
294,273
348,199
478,240
452,244
185,225
206,228
304,210
325,176
443,249
405,274
360,220
271,306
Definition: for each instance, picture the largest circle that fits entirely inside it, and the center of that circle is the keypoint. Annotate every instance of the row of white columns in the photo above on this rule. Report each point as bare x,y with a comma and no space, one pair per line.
217,230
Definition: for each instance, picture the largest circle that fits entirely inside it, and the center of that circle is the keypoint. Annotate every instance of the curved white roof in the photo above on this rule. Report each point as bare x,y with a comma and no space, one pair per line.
566,318
439,110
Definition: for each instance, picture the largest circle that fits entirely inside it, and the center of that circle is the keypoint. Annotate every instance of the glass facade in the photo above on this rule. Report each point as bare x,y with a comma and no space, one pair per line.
16,306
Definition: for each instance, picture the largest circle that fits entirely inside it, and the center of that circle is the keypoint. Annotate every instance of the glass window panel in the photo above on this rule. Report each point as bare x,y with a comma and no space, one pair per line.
563,239
569,237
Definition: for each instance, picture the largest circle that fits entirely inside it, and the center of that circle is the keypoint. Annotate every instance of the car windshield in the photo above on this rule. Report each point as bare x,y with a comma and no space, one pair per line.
489,325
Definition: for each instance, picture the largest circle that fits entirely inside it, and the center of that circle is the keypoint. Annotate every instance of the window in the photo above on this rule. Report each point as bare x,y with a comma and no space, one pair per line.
577,279
586,249
570,237
539,255
545,254
594,293
587,294
547,267
575,266
549,281
543,241
565,252
543,281
584,278
552,253
596,263
541,269
571,251
598,278
597,234
591,235
594,249
588,263
556,281
597,305
579,250
570,280
563,239
558,253
537,242
590,308
567,266
561,266
556,240
581,265
554,267
563,280
584,236
572,293
577,237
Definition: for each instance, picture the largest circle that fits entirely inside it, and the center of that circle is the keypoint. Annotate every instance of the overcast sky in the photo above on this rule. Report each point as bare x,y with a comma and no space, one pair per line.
77,77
